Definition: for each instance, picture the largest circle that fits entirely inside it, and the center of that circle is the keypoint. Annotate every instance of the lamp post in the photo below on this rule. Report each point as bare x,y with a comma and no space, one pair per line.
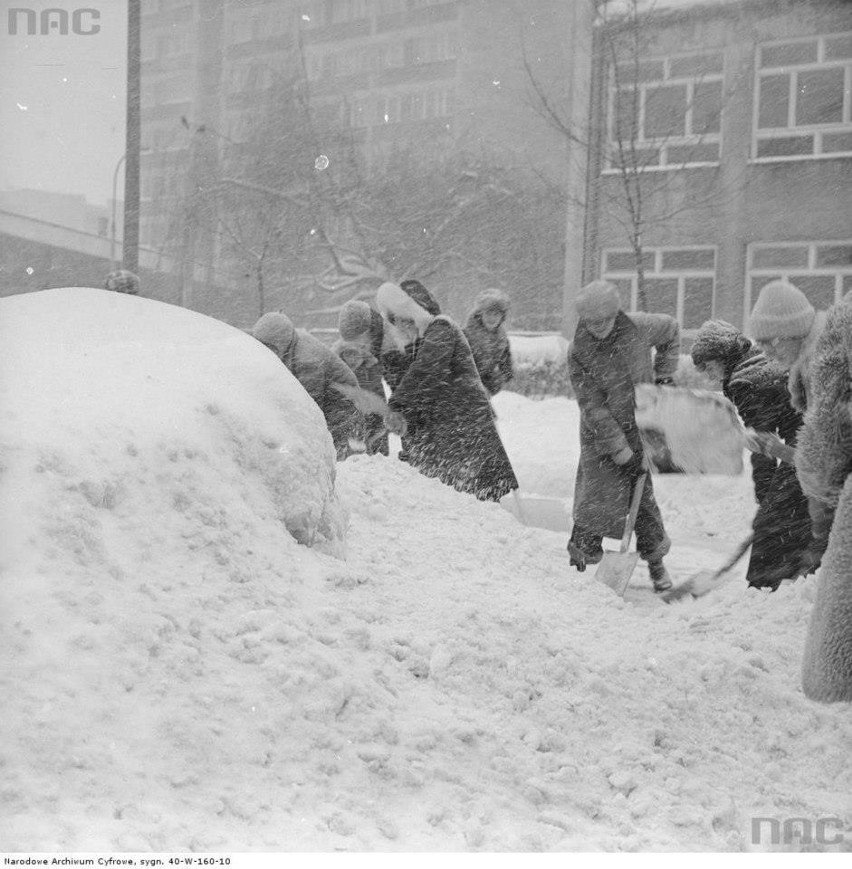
112,260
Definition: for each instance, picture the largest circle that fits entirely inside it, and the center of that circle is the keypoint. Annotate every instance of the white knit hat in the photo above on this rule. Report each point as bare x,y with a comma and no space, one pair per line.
598,300
781,311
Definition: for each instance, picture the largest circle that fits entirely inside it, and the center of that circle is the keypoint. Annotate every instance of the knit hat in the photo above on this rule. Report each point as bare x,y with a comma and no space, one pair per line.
422,296
354,320
719,341
491,300
122,281
598,300
781,311
276,330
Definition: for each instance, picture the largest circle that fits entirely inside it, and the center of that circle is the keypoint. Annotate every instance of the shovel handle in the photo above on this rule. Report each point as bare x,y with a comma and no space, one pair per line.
635,500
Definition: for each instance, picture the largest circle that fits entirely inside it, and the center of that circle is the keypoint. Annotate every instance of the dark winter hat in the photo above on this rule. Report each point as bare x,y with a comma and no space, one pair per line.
122,281
719,341
422,296
781,311
492,300
598,301
276,330
354,320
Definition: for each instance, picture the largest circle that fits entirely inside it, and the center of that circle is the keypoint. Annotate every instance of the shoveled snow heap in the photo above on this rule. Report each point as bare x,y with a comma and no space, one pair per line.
180,674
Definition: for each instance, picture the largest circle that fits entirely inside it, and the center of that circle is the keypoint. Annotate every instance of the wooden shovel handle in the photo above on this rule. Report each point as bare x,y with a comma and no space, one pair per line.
635,500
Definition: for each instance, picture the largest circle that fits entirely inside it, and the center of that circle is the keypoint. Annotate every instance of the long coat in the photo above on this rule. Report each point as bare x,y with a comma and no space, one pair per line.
318,370
824,465
782,525
604,374
491,352
452,431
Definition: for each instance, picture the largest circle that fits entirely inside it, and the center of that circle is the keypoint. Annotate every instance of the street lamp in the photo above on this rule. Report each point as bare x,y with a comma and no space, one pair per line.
112,260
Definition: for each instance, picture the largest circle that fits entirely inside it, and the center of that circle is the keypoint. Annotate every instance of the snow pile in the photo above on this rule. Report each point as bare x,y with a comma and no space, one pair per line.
178,683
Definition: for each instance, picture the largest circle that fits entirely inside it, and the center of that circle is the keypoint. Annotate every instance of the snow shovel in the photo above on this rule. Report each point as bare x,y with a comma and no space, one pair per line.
616,568
705,581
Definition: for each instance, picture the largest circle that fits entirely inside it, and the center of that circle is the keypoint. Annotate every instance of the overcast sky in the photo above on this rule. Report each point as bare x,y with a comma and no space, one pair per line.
62,101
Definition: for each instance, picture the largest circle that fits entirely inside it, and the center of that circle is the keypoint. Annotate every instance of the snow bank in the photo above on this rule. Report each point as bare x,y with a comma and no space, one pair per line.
536,349
181,675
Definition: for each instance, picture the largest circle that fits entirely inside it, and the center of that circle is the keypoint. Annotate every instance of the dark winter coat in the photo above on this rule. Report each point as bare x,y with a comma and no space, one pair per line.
490,348
824,462
604,374
452,434
782,525
318,370
367,368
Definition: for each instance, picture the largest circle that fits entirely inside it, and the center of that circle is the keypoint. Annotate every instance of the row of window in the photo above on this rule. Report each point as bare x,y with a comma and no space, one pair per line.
667,111
682,281
419,105
384,56
322,13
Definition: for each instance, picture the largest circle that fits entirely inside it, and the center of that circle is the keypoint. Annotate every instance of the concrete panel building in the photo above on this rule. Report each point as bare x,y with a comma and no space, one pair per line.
390,72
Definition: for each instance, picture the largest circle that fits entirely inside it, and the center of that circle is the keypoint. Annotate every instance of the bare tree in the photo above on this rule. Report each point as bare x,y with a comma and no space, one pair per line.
638,126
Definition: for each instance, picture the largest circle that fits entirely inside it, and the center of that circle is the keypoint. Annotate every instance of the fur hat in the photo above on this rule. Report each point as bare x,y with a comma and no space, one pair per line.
422,296
276,330
354,320
719,341
492,300
598,300
781,311
122,281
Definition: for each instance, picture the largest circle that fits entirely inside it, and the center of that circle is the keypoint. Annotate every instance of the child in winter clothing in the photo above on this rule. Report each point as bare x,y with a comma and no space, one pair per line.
758,389
451,427
318,370
610,354
786,327
356,348
489,343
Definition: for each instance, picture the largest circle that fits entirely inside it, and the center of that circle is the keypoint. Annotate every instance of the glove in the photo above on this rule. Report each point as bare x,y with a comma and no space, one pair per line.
630,464
395,423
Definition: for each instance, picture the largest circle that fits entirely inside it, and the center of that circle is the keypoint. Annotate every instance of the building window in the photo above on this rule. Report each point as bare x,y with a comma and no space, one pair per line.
432,49
406,107
679,281
822,270
347,10
666,111
803,104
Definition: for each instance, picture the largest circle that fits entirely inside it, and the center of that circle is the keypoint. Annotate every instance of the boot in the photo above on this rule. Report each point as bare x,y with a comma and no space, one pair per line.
659,576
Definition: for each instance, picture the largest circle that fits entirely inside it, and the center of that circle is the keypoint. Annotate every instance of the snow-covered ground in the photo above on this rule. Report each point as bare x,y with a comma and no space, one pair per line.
179,674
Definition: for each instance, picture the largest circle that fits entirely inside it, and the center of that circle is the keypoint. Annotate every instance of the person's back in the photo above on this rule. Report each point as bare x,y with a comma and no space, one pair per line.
358,339
317,369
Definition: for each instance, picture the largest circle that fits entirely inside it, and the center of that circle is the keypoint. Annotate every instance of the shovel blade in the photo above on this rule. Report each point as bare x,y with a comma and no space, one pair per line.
615,570
697,585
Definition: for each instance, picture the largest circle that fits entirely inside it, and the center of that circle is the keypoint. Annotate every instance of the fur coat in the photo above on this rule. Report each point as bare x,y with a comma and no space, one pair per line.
823,463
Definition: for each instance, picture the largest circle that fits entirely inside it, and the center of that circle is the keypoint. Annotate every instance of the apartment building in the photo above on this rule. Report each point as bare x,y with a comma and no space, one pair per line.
734,126
389,72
